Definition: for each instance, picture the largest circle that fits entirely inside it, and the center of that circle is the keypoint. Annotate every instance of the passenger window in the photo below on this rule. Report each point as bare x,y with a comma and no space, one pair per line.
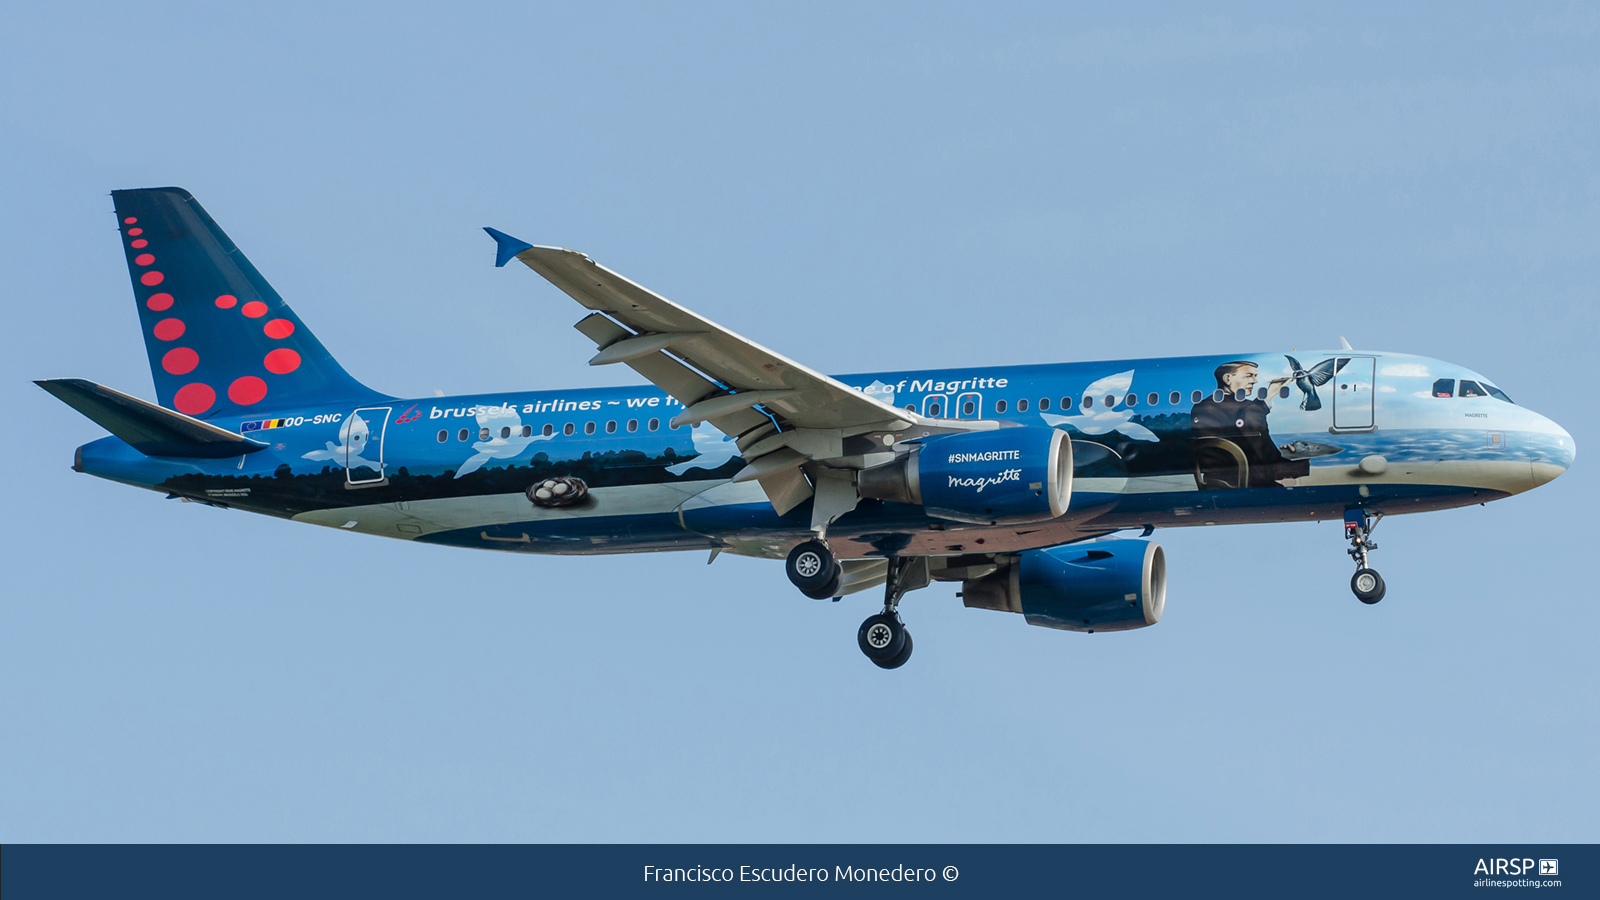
1000,406
1240,394
654,424
588,428
462,434
505,432
1154,398
1131,400
1497,393
967,408
568,428
633,425
527,431
549,430
1088,403
933,410
1196,397
483,434
611,427
1066,403
1219,395
1174,398
911,407
1283,392
1022,406
1470,389
1044,403
1110,401
1444,387
444,436
1261,393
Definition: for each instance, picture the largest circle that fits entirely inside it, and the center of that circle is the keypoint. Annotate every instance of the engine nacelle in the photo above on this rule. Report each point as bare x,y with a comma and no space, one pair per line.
1006,476
1100,586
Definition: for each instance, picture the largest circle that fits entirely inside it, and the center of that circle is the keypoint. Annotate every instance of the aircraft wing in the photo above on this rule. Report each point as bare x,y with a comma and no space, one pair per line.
781,413
802,396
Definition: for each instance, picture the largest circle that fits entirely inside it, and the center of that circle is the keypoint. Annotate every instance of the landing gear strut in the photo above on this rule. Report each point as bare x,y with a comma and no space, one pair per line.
883,637
1366,584
814,570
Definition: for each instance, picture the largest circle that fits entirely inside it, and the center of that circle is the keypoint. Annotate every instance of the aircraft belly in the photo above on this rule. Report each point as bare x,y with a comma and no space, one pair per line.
420,518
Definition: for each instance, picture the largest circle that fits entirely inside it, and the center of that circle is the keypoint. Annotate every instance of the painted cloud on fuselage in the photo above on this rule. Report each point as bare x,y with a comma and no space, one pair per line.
712,449
497,418
1104,420
353,437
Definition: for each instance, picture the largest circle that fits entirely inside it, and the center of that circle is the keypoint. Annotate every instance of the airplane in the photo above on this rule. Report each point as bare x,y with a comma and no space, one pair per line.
1020,482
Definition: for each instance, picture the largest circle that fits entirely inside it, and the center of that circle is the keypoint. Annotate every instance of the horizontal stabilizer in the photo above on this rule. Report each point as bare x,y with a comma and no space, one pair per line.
150,429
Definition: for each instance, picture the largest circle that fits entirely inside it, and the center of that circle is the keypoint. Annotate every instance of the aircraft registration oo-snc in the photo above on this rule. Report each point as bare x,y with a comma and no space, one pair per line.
1009,479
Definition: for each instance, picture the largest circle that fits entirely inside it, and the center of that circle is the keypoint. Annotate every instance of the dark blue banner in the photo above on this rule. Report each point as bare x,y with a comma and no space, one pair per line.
234,871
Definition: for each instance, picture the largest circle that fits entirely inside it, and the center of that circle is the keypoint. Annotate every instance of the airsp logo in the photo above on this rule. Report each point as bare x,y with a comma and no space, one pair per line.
1514,867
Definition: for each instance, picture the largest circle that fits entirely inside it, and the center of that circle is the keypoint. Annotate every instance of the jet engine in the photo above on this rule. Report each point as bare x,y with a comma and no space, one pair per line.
1100,586
1007,476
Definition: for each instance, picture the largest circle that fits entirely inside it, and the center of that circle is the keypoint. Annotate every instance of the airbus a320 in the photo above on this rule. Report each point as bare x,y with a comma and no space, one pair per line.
1020,482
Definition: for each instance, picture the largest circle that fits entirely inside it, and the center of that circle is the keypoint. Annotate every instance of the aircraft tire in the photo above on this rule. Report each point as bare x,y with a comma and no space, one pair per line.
1367,585
899,658
881,638
813,569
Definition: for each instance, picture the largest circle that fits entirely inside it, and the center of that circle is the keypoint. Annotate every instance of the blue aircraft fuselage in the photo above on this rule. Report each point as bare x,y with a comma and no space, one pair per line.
1159,443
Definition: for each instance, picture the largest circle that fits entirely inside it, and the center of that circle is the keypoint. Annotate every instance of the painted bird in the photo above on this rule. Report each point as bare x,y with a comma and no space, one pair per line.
1308,380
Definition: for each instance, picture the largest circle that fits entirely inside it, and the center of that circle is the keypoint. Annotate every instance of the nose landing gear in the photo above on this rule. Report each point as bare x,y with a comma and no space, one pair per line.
1366,584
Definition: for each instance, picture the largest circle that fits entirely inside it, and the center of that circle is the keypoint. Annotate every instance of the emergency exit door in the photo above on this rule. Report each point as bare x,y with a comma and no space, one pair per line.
1353,393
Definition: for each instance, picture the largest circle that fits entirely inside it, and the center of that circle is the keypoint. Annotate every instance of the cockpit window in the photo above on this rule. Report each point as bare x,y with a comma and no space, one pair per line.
1497,393
1444,387
1471,389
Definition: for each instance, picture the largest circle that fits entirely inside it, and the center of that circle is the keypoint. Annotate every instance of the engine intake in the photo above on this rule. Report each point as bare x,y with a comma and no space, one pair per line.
1103,586
1007,476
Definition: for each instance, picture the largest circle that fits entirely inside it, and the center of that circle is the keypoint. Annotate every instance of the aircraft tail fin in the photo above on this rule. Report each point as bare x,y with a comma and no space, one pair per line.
152,430
221,341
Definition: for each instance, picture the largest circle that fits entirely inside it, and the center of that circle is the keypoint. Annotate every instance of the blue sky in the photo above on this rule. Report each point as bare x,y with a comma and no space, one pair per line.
861,188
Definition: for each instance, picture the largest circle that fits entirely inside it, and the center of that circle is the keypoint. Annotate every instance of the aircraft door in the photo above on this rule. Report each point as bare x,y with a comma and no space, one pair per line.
1353,393
363,446
968,406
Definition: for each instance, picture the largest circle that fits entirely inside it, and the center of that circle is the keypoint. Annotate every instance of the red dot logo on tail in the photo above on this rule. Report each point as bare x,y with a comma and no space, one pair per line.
227,301
151,279
247,390
278,329
129,220
168,329
144,259
255,309
194,399
282,361
141,242
159,302
135,232
180,360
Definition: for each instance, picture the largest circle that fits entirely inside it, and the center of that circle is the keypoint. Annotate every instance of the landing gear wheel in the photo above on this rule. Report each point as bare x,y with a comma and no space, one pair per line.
1367,585
814,570
882,637
899,658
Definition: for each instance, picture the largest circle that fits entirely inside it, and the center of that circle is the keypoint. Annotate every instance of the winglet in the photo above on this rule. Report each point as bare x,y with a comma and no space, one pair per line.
506,247
1344,344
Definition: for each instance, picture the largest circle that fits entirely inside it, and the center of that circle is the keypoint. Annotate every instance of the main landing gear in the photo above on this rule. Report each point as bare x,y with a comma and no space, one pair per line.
883,637
1366,584
814,570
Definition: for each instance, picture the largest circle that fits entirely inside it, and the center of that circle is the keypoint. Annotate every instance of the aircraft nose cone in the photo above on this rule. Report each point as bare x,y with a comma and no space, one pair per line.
1553,464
